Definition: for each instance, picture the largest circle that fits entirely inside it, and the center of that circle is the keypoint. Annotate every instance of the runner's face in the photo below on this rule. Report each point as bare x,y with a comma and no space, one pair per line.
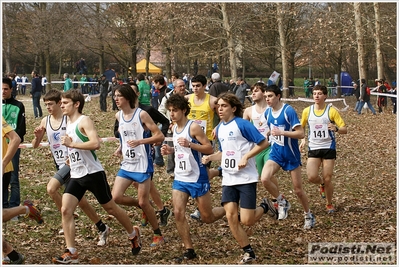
225,111
318,96
67,106
119,99
271,99
6,91
198,88
257,94
51,106
175,114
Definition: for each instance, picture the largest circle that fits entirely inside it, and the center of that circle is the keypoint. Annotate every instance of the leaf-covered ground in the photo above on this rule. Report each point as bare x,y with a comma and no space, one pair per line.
365,198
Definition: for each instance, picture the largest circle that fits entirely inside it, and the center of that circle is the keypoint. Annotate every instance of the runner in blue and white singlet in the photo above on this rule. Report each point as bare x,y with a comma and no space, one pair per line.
188,166
237,137
137,159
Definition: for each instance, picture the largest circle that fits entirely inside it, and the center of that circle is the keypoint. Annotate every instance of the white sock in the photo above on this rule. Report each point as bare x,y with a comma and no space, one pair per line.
280,198
133,234
27,210
72,250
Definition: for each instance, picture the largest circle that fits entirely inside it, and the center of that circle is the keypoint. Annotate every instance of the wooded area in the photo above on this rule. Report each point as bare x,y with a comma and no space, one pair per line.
245,39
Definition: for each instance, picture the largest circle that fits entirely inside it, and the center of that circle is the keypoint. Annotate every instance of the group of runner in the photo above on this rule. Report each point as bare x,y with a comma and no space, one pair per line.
255,142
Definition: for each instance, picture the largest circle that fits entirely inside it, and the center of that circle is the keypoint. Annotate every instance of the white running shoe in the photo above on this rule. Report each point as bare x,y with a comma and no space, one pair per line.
310,221
283,208
196,215
103,237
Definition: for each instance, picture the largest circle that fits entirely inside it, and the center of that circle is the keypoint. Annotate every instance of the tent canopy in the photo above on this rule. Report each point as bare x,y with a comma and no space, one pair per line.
140,67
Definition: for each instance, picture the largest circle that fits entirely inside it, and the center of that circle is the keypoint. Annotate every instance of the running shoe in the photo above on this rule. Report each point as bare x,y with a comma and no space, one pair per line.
136,241
196,215
34,212
271,208
322,192
103,236
330,208
66,258
165,217
310,221
157,240
20,260
144,219
283,208
246,258
187,255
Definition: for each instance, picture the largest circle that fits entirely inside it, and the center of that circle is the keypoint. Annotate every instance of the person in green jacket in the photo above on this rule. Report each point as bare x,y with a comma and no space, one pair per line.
145,90
68,82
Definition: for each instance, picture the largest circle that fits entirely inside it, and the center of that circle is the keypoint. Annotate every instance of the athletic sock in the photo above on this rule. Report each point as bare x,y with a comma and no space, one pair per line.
265,207
13,255
248,249
101,226
162,211
157,232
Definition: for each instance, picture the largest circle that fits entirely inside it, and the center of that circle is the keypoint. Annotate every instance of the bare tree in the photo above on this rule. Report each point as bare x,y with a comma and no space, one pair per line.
360,40
377,38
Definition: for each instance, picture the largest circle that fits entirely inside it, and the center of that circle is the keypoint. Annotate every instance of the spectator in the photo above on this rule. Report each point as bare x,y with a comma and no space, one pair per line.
145,90
356,93
13,112
44,83
36,94
83,83
364,98
24,80
241,91
104,85
75,82
68,82
93,85
217,86
393,99
381,99
306,85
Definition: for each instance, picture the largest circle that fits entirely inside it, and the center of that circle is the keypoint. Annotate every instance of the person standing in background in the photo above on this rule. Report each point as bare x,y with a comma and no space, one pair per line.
36,94
13,112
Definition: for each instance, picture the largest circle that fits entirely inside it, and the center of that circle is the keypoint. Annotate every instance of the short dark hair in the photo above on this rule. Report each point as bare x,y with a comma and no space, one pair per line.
321,88
75,96
178,101
140,77
7,81
275,89
159,79
199,78
52,95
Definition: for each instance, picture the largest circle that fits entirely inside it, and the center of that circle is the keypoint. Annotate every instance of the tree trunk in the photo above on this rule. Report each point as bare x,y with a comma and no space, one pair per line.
284,60
7,48
380,59
48,68
360,40
230,42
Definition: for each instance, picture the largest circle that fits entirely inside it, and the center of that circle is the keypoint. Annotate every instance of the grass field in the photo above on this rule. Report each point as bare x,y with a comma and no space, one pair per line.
365,198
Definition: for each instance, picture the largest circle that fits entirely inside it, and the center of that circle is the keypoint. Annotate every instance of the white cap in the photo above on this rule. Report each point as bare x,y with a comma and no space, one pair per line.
215,76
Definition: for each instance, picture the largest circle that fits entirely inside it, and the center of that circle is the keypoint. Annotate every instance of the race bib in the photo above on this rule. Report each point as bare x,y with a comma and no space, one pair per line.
279,140
230,160
183,165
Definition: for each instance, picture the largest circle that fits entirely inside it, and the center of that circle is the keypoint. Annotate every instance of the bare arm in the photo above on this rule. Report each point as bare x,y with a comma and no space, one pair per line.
39,133
15,140
205,146
86,126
